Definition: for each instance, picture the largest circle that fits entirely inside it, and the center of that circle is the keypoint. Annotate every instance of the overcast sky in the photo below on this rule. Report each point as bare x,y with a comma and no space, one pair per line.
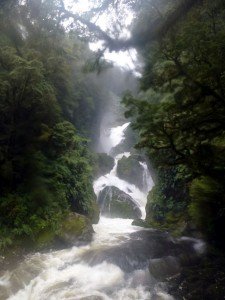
124,59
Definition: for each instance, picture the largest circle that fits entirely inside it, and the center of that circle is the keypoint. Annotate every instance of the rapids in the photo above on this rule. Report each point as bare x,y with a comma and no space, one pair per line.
115,265
72,273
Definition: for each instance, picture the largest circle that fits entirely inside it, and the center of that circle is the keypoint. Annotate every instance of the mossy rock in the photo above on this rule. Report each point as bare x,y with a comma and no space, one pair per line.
45,239
130,139
162,268
130,170
177,226
141,223
207,204
88,206
115,203
75,228
121,209
202,280
103,164
94,212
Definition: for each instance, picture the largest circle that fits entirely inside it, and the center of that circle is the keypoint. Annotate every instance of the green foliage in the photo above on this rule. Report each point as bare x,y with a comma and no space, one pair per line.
207,207
102,164
169,195
180,117
129,169
44,163
120,209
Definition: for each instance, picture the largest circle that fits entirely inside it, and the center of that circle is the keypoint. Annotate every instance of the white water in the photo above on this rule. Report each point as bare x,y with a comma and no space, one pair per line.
147,179
66,274
111,137
117,134
111,179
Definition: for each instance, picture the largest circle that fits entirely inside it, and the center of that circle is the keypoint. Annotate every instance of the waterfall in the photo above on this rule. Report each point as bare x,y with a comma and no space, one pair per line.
147,179
117,134
114,266
111,179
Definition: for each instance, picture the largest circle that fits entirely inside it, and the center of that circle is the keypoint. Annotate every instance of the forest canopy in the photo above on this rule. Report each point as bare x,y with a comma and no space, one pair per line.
49,107
180,118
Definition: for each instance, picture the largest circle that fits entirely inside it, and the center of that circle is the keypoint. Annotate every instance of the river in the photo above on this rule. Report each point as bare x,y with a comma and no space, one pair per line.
115,265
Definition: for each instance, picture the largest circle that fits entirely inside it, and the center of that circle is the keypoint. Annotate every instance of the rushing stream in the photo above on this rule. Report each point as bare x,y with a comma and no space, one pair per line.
115,265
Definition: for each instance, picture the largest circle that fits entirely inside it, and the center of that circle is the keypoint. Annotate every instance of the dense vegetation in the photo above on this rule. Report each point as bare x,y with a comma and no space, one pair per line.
45,164
180,115
50,107
49,104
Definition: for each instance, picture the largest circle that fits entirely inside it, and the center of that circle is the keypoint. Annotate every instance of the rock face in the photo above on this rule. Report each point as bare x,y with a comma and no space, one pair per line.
130,139
164,267
204,280
94,212
76,229
88,208
103,164
129,169
115,203
142,248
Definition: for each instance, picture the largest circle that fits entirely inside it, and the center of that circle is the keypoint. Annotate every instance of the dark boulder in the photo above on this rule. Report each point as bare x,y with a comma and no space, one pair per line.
164,267
130,170
115,203
75,229
103,164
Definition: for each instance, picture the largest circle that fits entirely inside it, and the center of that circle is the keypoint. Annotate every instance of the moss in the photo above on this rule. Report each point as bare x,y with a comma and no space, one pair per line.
129,169
75,228
117,204
93,212
74,224
141,223
207,206
44,239
205,280
204,189
102,164
119,209
175,223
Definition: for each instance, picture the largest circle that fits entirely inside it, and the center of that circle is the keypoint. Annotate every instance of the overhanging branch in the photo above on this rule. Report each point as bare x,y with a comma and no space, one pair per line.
156,29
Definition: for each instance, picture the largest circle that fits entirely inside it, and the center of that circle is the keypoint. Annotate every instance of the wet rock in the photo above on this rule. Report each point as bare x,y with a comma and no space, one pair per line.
93,212
203,280
164,267
140,222
103,164
75,229
162,296
129,169
91,206
134,253
115,203
126,145
92,298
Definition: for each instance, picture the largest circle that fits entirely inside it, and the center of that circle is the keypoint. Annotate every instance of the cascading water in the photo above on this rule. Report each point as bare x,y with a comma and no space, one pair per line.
113,266
112,179
147,179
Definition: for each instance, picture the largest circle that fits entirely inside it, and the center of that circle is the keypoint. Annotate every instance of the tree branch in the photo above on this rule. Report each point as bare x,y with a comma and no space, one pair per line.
155,29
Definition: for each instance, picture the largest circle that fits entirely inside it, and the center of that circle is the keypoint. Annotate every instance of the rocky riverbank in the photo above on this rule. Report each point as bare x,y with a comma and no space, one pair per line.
204,280
75,230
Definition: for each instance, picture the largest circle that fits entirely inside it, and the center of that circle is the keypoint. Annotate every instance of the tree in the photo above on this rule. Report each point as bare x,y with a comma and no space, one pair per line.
45,164
180,116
